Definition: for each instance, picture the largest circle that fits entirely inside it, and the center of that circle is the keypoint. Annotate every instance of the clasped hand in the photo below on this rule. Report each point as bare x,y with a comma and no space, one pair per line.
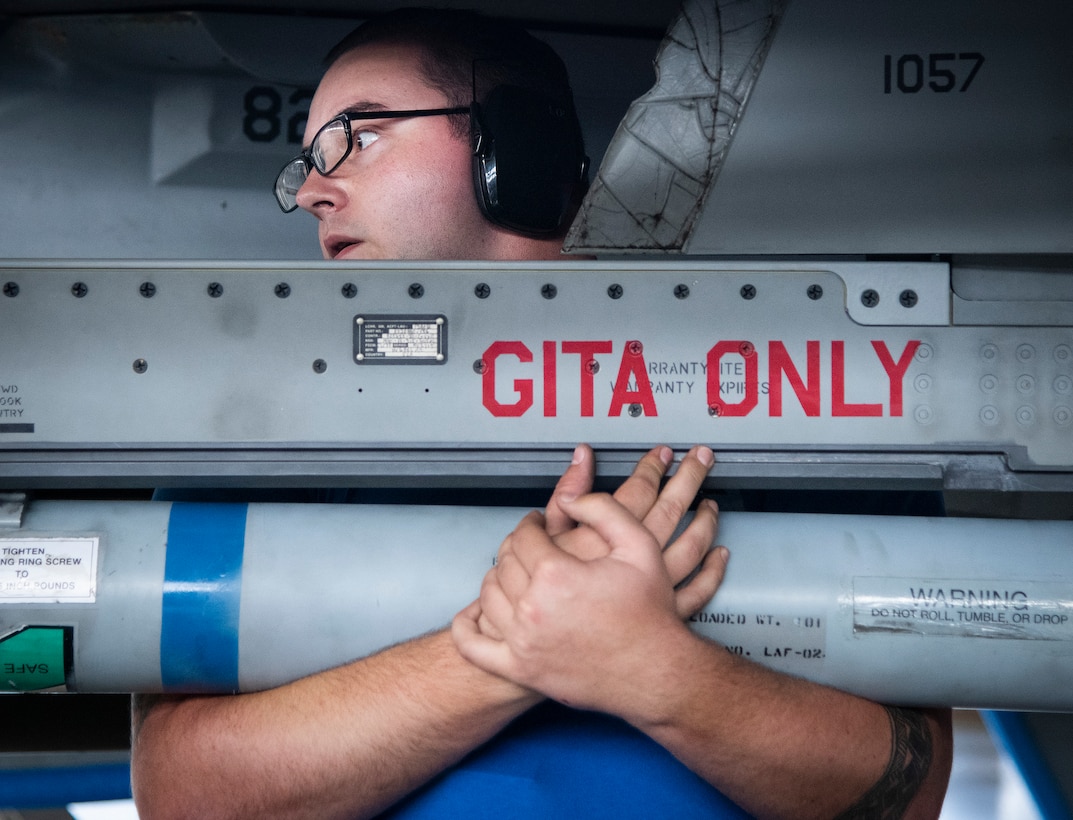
587,601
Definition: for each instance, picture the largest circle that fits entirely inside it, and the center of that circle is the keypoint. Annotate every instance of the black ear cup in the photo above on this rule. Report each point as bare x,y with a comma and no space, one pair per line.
528,160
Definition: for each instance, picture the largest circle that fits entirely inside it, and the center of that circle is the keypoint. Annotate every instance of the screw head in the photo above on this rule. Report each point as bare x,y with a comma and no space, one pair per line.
635,410
870,298
79,290
147,289
681,291
907,298
283,290
349,290
11,289
549,291
715,409
215,290
592,366
748,292
319,366
635,348
614,291
479,366
815,292
482,290
416,290
140,365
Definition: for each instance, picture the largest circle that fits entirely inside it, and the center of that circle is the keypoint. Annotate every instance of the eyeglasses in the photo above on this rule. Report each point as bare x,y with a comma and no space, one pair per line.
332,145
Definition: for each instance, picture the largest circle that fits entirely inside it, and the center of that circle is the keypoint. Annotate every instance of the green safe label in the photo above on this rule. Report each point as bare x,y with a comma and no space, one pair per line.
34,658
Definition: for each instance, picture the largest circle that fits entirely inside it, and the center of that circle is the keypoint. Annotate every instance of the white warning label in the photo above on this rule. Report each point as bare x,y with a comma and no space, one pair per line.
48,570
1025,610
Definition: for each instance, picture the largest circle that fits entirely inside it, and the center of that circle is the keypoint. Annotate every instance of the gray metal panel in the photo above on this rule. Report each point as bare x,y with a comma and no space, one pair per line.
248,375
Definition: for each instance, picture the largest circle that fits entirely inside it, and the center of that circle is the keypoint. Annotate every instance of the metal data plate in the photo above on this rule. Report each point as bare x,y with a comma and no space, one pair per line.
400,339
151,367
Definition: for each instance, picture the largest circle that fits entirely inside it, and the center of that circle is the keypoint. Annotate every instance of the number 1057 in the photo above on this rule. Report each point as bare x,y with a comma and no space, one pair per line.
941,72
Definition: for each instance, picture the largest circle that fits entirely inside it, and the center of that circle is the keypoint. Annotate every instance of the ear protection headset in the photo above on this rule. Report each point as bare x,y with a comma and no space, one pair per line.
528,159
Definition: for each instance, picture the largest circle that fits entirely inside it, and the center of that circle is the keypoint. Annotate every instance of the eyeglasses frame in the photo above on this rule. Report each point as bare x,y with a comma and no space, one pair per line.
347,117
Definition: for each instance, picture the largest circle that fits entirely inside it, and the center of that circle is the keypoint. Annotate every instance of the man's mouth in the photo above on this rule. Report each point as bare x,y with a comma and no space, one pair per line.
338,246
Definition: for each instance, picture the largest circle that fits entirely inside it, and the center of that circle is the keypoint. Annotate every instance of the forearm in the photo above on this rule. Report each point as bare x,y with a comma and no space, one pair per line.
344,743
784,747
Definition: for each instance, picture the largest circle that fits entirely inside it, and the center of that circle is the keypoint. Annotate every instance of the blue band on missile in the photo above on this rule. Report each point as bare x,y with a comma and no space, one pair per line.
202,593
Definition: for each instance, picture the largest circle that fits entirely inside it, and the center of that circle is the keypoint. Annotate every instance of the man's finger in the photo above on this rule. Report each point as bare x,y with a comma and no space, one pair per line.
617,526
688,550
531,545
690,598
480,650
673,502
496,609
577,480
487,628
639,492
636,494
510,574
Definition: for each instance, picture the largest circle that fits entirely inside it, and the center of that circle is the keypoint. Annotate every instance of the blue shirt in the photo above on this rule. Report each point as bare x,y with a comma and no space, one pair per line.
555,762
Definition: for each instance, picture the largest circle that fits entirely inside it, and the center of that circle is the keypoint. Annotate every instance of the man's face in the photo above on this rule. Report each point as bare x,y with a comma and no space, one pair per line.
408,192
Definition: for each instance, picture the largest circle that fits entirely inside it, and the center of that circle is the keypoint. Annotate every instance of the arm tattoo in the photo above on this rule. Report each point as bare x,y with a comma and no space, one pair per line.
910,759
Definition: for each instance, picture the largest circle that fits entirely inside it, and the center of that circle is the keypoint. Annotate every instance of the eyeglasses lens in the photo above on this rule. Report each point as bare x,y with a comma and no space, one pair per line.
288,182
330,146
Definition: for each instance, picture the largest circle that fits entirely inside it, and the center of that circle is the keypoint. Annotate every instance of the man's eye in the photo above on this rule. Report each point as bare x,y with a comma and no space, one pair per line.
363,139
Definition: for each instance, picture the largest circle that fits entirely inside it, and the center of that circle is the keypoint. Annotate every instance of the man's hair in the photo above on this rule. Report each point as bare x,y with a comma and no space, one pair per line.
465,54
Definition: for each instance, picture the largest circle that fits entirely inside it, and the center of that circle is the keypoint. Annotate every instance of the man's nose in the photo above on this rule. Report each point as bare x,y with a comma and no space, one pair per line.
319,193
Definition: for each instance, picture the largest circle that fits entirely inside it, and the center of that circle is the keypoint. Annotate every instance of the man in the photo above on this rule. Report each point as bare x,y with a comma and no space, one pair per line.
586,603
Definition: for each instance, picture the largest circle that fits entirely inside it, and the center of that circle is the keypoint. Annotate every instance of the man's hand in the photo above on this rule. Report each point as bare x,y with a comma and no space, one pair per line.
660,512
585,597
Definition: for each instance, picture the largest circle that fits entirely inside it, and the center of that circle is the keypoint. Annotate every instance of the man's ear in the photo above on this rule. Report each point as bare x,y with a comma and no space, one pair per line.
528,160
